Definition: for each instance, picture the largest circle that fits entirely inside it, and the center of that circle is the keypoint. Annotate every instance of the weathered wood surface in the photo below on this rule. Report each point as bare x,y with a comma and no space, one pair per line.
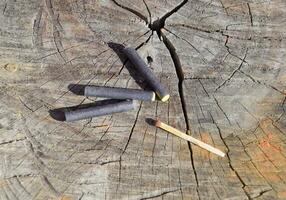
222,60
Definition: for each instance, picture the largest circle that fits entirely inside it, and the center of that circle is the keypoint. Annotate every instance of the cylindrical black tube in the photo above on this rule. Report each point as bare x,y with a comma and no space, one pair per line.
119,93
148,75
99,110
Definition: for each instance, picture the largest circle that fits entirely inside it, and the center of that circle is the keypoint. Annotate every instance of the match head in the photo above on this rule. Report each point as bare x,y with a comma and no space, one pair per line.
165,98
153,96
162,98
157,123
153,122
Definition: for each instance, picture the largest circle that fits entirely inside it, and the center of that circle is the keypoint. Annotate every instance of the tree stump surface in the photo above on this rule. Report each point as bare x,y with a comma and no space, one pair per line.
223,62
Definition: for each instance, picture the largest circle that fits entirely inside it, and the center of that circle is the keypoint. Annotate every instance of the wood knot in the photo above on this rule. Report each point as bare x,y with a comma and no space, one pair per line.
11,67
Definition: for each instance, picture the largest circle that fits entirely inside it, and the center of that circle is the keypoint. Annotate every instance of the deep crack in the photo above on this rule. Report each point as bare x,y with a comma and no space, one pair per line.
180,76
159,24
138,14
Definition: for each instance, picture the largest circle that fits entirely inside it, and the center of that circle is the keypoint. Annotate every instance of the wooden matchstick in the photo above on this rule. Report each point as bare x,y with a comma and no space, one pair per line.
182,135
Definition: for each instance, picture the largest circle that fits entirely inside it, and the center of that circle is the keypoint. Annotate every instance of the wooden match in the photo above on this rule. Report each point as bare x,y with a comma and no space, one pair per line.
184,136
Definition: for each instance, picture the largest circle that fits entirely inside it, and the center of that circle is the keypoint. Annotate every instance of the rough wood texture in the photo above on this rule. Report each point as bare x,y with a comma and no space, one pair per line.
223,62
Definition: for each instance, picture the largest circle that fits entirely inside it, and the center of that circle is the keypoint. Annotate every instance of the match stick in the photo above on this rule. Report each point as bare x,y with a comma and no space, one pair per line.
182,135
148,75
119,93
101,110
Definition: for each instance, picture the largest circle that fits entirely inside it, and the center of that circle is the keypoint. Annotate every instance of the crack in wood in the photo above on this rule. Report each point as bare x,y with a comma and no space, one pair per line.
158,193
138,14
261,193
19,189
233,73
38,29
150,16
53,16
57,28
180,182
47,184
171,170
189,43
126,145
25,105
155,137
225,9
39,163
12,141
224,113
4,9
259,172
229,161
180,76
250,14
283,109
159,24
262,83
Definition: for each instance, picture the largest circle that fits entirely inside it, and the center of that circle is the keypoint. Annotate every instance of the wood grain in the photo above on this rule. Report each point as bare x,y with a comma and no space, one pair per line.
223,62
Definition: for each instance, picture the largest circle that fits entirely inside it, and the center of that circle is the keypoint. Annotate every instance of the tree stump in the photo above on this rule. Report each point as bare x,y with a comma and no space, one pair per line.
223,62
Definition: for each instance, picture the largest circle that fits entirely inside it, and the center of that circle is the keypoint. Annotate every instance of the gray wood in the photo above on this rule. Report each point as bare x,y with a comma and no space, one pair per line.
223,62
